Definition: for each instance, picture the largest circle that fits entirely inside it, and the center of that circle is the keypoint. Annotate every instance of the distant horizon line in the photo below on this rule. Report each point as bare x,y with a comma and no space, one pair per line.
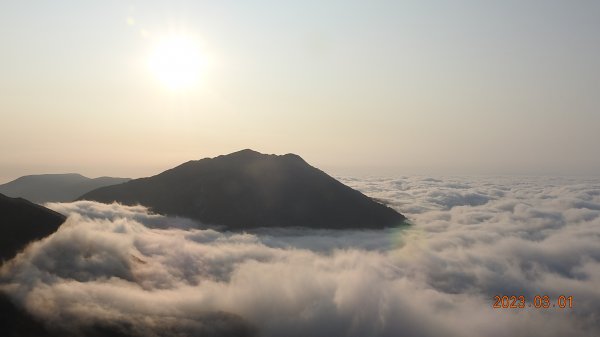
346,172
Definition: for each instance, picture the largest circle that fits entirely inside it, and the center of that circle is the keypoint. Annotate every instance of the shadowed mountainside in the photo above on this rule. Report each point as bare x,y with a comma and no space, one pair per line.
21,222
17,322
247,189
55,187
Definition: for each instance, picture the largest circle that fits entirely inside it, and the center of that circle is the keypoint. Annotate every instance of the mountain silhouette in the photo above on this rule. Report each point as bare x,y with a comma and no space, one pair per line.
21,222
248,189
55,187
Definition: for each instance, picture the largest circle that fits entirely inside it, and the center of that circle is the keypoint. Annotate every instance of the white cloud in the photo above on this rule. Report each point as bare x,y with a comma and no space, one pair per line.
471,239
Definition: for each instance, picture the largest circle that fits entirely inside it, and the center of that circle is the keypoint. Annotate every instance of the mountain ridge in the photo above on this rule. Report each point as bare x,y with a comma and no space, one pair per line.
248,189
62,187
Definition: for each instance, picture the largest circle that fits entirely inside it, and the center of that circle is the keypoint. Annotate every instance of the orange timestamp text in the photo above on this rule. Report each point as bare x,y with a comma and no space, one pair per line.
538,302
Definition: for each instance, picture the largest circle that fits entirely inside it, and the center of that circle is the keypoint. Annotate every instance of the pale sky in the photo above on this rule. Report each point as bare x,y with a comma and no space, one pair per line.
354,87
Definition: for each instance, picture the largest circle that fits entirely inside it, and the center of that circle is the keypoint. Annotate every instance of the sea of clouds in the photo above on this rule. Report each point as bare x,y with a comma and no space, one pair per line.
470,239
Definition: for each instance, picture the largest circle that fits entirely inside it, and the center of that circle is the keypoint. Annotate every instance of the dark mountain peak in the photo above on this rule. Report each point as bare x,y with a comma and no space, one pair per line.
251,155
245,153
248,189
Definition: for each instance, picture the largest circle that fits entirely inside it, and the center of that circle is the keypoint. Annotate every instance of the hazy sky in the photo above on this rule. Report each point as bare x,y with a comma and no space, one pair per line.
352,86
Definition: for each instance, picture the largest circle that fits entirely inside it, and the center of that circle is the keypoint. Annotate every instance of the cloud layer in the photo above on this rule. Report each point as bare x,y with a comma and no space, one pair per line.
471,239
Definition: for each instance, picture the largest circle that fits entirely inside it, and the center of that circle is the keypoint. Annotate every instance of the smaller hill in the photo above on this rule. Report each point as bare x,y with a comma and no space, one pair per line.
21,222
55,187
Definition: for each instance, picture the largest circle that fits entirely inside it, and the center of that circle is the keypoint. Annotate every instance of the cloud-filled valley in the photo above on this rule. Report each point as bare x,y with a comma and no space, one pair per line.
472,238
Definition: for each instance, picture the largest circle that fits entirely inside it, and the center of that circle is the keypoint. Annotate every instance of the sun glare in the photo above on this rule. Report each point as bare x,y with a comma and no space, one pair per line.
177,62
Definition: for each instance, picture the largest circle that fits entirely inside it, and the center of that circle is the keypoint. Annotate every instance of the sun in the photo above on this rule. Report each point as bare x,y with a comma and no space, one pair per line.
177,61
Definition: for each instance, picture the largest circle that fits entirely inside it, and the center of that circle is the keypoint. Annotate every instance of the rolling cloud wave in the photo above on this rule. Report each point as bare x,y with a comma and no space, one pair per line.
149,275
